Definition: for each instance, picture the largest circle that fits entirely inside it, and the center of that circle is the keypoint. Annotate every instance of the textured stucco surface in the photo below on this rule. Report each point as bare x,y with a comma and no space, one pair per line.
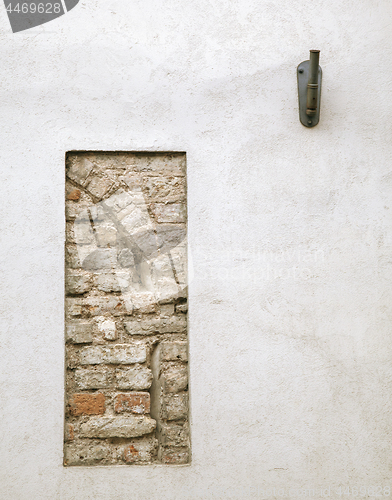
291,377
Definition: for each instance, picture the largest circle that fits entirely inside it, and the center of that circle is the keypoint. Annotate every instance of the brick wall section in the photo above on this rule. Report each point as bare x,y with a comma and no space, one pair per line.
126,302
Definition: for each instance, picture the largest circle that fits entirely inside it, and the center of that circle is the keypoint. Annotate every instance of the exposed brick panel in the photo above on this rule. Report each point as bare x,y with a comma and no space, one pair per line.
126,303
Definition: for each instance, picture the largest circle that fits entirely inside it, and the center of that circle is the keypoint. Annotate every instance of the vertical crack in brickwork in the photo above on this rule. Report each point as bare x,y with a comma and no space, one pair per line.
126,309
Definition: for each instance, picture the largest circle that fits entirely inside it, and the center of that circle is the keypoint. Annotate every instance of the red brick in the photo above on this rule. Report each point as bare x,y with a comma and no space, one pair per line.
74,195
87,404
135,402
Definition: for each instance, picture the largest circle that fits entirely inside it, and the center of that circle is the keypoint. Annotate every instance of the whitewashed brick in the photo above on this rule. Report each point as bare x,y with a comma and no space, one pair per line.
101,258
117,427
143,302
79,333
124,354
173,212
140,451
166,310
117,281
98,186
182,308
172,434
175,406
105,234
79,170
73,306
175,378
92,379
126,258
107,327
77,282
174,351
149,326
138,378
87,453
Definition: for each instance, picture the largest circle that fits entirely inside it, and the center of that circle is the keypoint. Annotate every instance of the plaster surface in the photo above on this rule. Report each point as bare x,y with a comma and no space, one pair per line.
289,230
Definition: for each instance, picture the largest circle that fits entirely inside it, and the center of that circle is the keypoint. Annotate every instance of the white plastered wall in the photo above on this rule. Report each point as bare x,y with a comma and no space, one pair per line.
289,228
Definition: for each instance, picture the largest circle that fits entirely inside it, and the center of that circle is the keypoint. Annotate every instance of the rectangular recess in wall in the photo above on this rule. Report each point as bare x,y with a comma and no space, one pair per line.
126,396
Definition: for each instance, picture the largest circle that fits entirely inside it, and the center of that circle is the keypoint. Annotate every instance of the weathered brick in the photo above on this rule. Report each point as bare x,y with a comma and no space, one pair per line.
175,378
121,427
69,433
137,378
172,434
166,310
77,282
97,213
173,212
170,236
140,451
75,210
166,290
101,258
126,258
74,195
134,402
135,218
120,200
175,406
87,453
98,186
105,234
164,188
79,170
79,232
87,404
142,302
169,164
114,281
92,379
161,268
182,308
123,354
72,358
73,306
72,258
79,333
99,306
147,243
107,327
173,456
149,326
174,351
